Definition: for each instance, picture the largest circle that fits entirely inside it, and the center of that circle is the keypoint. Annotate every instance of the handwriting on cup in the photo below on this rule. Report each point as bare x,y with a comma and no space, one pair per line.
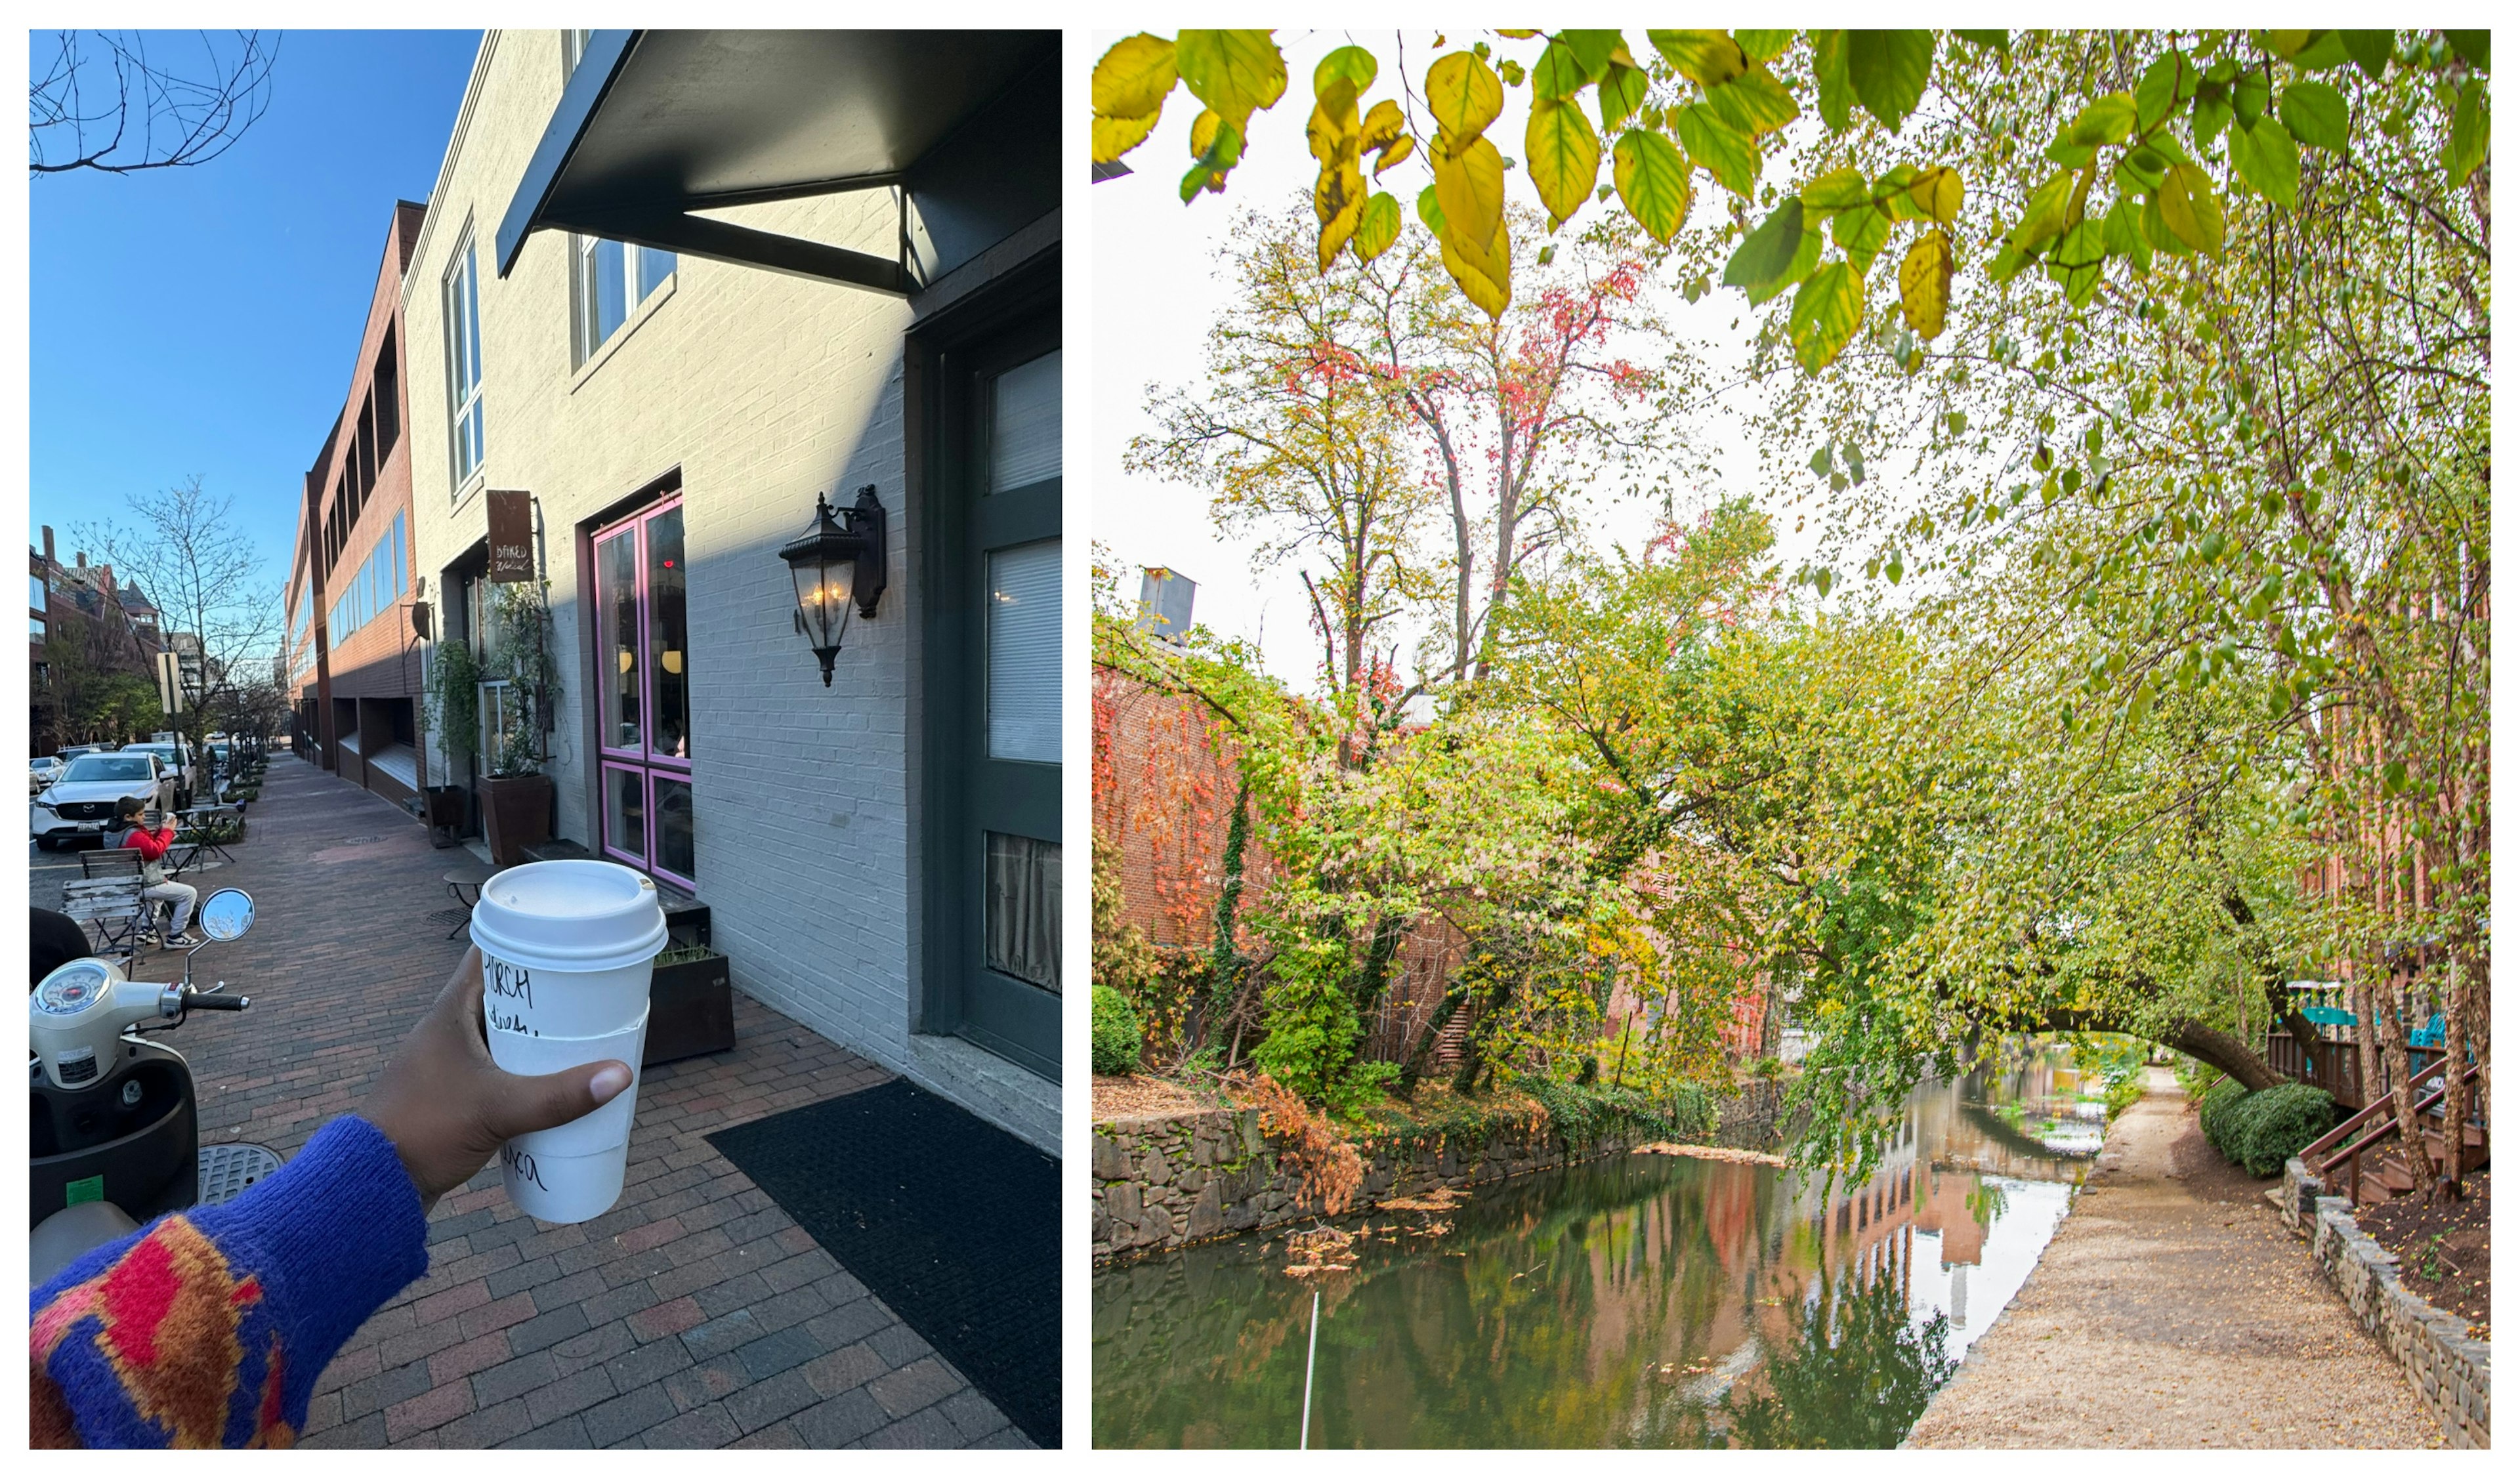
512,985
520,1164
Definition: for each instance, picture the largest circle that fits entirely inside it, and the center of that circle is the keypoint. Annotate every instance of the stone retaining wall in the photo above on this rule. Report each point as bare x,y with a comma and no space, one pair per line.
2451,1372
1164,1181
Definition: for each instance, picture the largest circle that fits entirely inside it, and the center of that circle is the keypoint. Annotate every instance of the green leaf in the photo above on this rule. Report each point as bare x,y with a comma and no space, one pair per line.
1733,160
1766,254
2371,50
1353,65
1594,50
1379,227
1888,71
1621,93
2326,49
1828,76
1224,151
1430,211
1652,180
1806,261
2122,232
2470,128
1820,462
1988,40
1563,155
1754,103
1763,45
1559,74
2042,219
2470,46
1708,57
1463,94
2190,208
2213,114
2316,113
1862,233
2077,261
2169,81
2249,95
1827,309
1234,72
2104,120
2265,157
1843,189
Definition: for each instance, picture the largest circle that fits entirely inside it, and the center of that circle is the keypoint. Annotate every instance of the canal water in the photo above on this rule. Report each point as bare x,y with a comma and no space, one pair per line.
1638,1301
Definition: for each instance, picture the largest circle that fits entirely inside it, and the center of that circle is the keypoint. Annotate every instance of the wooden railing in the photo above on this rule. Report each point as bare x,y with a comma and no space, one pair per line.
2329,1065
2374,1124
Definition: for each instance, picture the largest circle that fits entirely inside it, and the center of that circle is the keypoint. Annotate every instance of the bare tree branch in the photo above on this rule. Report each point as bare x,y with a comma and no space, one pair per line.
104,102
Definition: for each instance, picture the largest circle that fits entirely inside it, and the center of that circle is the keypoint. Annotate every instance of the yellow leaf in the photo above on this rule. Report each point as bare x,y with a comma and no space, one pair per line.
1485,280
1469,189
1338,200
2190,208
1377,226
1938,193
1707,57
1925,284
1114,137
1232,71
1202,133
1399,151
1133,78
1465,94
1563,155
1381,128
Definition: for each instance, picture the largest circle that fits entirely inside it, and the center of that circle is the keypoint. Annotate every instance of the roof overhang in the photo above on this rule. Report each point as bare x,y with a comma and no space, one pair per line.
655,125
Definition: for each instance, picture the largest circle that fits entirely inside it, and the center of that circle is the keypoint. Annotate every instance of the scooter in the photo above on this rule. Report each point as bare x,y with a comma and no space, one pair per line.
115,1135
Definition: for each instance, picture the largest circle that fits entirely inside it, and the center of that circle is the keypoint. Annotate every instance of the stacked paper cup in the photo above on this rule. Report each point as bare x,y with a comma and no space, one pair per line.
566,951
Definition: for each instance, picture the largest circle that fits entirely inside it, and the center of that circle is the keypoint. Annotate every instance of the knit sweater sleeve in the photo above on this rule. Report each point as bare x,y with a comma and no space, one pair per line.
208,1328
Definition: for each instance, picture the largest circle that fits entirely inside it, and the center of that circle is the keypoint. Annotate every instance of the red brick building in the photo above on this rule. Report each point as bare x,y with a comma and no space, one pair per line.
353,656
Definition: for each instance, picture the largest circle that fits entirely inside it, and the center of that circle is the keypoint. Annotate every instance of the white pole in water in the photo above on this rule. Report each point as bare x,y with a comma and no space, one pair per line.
1304,1438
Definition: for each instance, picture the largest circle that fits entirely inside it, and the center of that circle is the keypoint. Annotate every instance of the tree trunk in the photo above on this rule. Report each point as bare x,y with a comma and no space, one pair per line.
2402,1089
2456,1093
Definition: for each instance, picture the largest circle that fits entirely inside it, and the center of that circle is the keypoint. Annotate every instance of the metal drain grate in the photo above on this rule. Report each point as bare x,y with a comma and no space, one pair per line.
227,1169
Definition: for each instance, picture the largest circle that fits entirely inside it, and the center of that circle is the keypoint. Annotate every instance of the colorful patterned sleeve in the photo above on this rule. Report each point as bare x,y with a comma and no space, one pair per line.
208,1328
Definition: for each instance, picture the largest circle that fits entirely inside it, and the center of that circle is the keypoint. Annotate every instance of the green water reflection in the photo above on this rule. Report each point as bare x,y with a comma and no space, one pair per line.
1638,1301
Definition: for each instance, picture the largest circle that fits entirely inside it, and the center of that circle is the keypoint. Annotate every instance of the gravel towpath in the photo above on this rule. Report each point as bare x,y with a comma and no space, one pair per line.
2174,1309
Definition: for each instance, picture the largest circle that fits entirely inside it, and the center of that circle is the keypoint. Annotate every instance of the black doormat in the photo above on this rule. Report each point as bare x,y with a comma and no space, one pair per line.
949,1220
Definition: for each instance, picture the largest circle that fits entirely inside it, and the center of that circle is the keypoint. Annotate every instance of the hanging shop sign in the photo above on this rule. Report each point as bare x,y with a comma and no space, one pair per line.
512,535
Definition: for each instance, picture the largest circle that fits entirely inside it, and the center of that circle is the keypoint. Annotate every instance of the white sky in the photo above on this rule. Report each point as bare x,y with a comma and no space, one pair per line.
1158,286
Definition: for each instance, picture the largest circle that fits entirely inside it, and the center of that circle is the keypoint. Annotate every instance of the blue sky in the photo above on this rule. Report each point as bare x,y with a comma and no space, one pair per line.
205,320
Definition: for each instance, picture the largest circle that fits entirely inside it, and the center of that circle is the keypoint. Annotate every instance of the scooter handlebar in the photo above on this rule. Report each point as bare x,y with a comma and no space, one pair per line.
217,1001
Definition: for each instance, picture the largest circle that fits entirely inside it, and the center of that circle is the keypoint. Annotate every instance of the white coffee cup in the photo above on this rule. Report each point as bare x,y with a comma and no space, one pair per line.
566,947
564,1189
609,1127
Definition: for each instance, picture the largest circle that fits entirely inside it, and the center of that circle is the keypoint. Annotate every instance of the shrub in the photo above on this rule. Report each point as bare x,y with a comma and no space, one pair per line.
1118,1040
2259,1131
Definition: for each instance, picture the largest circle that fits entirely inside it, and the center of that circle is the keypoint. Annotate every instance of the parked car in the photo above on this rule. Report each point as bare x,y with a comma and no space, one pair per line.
72,752
178,760
82,802
43,770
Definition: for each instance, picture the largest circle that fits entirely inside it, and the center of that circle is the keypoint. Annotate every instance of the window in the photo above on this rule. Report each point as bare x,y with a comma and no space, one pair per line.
464,362
643,675
572,51
608,280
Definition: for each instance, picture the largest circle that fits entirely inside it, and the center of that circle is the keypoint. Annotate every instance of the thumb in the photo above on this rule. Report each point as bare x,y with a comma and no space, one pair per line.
519,1104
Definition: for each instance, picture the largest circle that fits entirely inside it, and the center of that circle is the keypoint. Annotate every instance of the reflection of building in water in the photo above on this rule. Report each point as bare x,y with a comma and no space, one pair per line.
1945,1208
1869,1229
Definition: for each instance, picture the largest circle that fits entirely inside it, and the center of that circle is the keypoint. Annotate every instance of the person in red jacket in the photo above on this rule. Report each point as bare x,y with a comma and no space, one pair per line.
147,830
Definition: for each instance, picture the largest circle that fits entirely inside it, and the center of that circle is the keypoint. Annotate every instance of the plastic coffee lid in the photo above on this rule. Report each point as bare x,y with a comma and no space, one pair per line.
575,914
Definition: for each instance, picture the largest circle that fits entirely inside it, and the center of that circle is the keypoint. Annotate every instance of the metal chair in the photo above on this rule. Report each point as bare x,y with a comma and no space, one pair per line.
111,910
457,918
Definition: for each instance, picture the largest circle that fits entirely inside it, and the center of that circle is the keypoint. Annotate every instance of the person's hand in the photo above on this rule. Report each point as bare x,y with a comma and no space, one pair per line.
448,1108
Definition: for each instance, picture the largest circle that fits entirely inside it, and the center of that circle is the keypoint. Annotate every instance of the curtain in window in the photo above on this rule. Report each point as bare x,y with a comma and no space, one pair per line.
1021,908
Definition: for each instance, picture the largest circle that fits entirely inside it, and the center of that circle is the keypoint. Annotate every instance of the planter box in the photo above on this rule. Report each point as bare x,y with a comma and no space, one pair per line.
441,810
691,1010
515,813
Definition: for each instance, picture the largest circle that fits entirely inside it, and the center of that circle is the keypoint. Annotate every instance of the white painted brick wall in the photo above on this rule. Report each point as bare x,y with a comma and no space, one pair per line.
763,389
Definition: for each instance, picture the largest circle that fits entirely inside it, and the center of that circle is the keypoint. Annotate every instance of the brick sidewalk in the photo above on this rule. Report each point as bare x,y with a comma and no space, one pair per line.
694,1314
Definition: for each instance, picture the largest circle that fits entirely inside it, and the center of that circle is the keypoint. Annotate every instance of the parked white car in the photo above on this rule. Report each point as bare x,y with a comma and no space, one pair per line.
82,802
177,761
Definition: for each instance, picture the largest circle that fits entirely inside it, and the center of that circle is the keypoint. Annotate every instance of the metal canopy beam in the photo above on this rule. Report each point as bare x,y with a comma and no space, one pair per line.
654,125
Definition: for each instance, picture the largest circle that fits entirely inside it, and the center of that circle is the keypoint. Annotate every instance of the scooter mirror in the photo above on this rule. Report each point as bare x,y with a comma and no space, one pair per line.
227,913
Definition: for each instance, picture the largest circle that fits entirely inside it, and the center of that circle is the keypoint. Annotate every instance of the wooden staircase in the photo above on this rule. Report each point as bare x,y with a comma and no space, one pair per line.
2367,1158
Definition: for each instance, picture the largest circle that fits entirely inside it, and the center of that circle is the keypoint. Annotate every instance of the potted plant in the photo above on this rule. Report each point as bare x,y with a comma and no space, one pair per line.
515,795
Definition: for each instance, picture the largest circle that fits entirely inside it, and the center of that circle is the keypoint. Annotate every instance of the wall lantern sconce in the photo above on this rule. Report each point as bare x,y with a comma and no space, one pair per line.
838,560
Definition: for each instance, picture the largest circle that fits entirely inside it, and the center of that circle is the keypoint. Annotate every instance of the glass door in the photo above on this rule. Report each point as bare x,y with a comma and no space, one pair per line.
643,691
994,737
